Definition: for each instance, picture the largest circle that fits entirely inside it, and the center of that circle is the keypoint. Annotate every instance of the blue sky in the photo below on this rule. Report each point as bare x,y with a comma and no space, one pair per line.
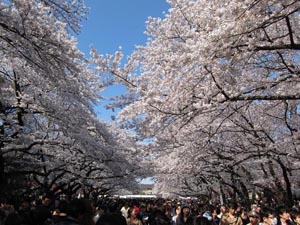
114,23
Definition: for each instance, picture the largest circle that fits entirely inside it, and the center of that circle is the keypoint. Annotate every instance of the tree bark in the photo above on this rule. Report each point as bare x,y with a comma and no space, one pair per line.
289,195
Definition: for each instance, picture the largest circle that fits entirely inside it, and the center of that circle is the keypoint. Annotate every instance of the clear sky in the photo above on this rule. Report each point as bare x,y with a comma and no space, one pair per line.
114,23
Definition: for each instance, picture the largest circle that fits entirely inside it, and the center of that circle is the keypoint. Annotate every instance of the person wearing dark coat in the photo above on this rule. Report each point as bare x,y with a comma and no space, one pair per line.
111,219
201,220
158,216
284,216
185,217
79,212
42,212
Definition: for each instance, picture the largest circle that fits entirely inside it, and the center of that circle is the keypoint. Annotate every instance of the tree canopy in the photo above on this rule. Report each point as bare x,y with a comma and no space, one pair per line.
51,138
216,90
212,101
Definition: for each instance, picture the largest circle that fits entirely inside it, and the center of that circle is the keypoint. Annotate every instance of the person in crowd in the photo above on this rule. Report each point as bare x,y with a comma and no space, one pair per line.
132,217
208,212
60,212
185,216
254,218
97,215
143,215
244,217
158,216
13,219
137,208
222,211
8,214
296,217
239,210
284,216
6,209
79,212
124,209
2,216
215,219
201,220
149,207
111,219
230,218
177,212
272,216
42,211
258,209
113,214
265,218
89,213
25,211
270,212
168,213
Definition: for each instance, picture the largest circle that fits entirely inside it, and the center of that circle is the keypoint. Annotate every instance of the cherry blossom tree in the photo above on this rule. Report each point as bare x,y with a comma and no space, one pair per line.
217,86
50,135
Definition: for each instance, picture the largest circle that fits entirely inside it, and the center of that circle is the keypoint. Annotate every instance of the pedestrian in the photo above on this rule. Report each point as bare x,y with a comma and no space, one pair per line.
265,217
124,209
201,220
111,219
284,216
230,218
185,217
208,212
254,218
132,217
79,212
177,212
296,217
215,219
42,213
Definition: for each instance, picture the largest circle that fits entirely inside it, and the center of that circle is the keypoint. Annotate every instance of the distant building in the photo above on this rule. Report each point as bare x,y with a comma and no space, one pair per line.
146,189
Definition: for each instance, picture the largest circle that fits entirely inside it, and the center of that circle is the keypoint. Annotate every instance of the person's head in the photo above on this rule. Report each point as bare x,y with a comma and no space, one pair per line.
239,208
178,210
185,210
271,214
168,211
79,209
223,209
25,204
201,221
143,208
284,214
265,218
132,212
159,219
148,206
296,217
254,218
46,200
200,209
232,208
258,209
215,212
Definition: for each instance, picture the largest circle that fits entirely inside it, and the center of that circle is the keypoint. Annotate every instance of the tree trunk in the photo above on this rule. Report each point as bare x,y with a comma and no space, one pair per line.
289,196
2,175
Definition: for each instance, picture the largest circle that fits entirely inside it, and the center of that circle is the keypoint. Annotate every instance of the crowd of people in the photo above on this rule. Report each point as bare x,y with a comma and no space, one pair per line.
109,211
